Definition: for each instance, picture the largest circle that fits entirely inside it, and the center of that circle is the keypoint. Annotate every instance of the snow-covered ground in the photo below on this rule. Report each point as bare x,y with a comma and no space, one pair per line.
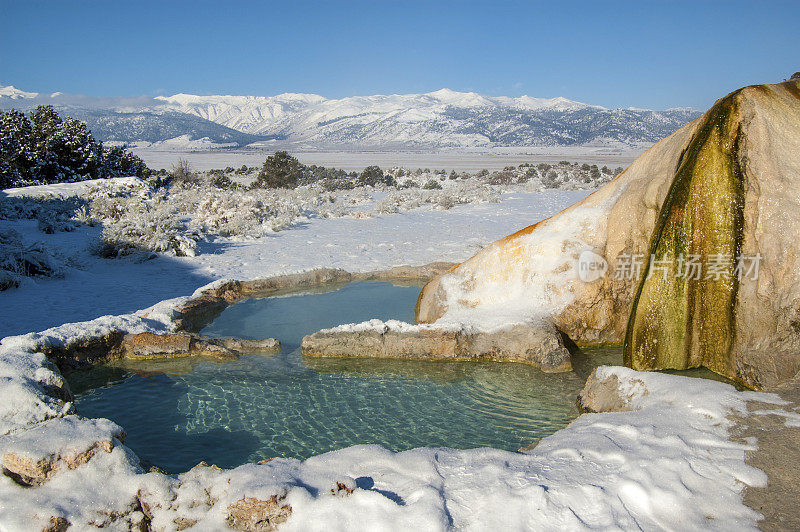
95,286
668,463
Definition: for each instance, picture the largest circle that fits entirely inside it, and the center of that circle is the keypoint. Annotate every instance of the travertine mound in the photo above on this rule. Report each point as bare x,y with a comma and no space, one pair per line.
725,187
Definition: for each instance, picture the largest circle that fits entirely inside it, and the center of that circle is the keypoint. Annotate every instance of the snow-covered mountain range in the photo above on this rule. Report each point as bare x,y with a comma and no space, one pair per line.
440,119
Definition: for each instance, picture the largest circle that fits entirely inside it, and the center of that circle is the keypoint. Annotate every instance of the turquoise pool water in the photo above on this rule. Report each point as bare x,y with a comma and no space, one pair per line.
177,413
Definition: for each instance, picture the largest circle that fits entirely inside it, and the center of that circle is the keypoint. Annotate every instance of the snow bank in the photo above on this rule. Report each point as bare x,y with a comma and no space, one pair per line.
77,188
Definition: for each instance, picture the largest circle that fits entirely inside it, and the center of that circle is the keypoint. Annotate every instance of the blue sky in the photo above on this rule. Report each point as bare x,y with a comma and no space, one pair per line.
616,54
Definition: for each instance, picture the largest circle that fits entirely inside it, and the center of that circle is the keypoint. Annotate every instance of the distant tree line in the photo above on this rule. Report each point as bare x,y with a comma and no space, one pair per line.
42,148
281,170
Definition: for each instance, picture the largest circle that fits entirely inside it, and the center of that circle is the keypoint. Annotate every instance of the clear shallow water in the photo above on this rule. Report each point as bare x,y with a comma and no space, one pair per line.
180,412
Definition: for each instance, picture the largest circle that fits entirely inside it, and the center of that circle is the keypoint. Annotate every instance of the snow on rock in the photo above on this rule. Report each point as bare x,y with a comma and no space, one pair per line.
28,381
36,391
533,273
636,228
34,455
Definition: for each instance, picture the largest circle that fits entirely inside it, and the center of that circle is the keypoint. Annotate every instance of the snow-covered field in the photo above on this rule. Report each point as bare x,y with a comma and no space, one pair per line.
460,161
92,286
667,463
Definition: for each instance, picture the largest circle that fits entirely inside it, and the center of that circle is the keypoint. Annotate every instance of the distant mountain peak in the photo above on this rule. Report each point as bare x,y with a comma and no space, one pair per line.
10,91
444,118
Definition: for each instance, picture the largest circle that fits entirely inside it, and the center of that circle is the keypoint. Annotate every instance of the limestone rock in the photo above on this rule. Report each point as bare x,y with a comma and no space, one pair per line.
254,515
32,457
241,345
425,272
83,352
149,345
539,345
602,395
726,185
146,346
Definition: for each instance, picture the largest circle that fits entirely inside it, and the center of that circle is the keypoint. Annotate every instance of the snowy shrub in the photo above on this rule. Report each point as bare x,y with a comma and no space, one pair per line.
182,172
457,193
147,229
53,214
18,261
139,219
245,214
52,221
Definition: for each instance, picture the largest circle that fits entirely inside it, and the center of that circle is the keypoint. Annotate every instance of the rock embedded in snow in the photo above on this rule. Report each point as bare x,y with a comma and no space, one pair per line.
602,393
33,456
253,515
540,345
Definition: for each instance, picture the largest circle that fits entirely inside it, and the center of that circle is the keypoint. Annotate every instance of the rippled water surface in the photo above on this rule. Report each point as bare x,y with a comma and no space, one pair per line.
177,413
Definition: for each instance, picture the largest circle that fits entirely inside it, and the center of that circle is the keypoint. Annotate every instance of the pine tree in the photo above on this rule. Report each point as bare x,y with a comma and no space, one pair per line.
118,161
280,170
371,176
16,150
46,149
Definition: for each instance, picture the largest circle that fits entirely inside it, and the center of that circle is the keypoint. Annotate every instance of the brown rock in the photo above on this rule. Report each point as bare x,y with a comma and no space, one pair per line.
57,524
182,523
602,395
541,346
148,345
240,345
30,472
739,165
253,515
83,352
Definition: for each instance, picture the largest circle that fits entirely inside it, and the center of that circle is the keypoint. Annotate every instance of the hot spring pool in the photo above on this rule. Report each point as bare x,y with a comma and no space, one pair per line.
179,412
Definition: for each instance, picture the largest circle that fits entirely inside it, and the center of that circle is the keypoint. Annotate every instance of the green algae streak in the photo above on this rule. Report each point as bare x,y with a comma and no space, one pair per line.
676,321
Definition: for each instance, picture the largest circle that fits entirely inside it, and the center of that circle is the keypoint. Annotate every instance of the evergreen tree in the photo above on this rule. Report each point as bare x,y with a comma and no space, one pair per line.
371,176
280,170
16,150
46,149
118,161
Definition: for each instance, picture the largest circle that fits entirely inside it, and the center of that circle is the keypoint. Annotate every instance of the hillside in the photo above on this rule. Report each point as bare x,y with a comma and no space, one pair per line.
108,125
440,119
